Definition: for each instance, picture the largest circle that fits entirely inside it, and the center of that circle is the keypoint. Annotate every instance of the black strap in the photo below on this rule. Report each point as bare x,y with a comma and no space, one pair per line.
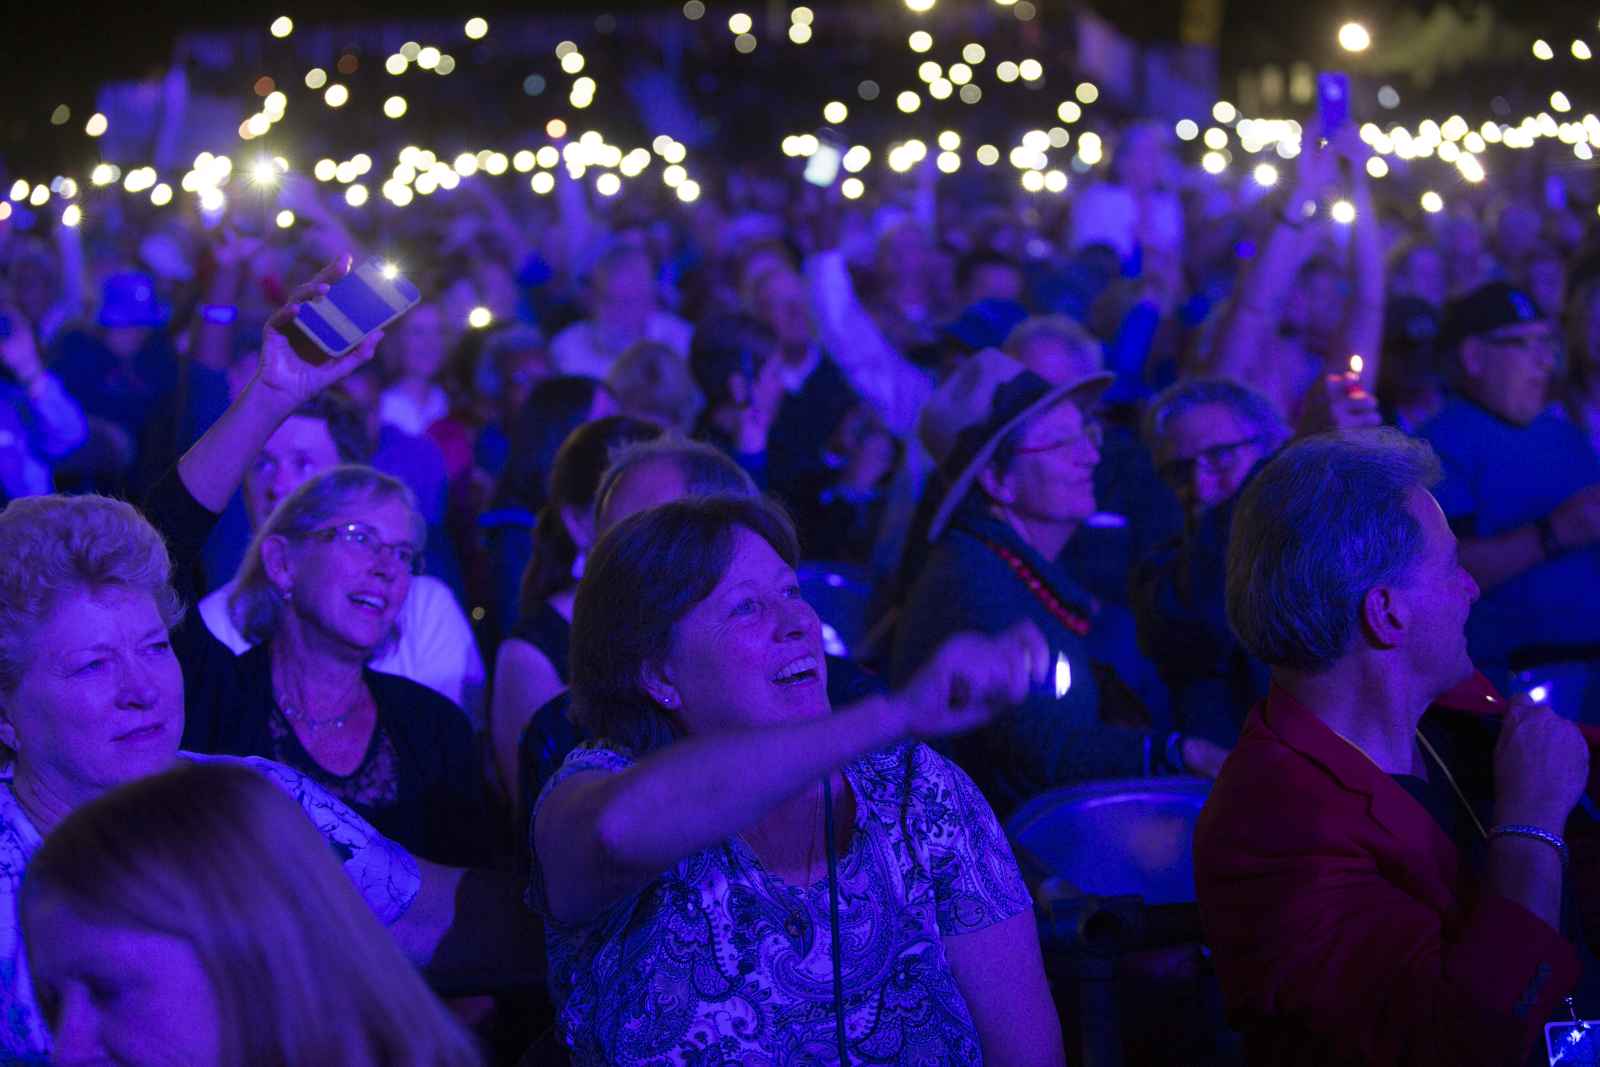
833,921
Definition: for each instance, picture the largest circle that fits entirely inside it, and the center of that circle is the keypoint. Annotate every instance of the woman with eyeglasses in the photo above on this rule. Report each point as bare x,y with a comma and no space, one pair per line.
1016,456
318,595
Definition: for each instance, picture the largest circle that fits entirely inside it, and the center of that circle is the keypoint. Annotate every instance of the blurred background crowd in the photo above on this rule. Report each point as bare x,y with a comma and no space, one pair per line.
824,244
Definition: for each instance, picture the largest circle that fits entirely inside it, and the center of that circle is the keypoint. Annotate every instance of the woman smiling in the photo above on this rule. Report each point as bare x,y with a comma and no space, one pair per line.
738,873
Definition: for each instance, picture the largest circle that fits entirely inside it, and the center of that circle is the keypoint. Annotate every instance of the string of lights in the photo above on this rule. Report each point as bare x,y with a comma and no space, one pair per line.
1043,156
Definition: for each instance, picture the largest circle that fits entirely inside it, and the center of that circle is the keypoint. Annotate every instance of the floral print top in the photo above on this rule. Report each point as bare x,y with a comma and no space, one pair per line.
718,962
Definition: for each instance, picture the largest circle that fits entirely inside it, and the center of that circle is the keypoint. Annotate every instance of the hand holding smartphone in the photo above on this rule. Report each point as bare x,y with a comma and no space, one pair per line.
368,298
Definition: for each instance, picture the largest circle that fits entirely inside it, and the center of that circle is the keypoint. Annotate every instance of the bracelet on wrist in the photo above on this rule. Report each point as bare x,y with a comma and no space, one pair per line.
1549,543
1534,833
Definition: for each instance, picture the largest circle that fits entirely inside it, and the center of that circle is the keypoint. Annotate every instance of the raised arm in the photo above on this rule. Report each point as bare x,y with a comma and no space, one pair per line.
213,468
1253,317
1364,328
58,425
598,837
212,344
892,384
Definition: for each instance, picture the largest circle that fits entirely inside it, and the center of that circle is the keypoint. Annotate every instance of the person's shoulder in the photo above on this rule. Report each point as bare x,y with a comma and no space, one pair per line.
961,557
1459,423
668,328
573,334
428,599
213,608
299,786
588,757
406,703
18,841
1269,791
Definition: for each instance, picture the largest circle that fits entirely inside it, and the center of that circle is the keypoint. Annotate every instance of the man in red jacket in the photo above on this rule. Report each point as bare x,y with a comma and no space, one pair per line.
1380,881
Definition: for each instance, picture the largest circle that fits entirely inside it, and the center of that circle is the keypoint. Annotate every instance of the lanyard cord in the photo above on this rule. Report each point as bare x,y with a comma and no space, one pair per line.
1427,747
833,921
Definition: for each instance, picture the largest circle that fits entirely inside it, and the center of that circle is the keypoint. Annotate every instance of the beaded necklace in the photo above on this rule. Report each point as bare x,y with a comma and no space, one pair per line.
1073,621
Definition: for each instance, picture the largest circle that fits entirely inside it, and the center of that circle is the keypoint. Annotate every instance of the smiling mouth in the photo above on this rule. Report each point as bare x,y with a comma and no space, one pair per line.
369,602
798,672
142,733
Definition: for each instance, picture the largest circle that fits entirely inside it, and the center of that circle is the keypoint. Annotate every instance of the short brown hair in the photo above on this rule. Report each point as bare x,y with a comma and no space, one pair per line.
642,577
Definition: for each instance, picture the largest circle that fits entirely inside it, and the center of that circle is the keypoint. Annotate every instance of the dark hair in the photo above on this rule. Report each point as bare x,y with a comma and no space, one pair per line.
581,460
643,576
555,408
725,345
347,424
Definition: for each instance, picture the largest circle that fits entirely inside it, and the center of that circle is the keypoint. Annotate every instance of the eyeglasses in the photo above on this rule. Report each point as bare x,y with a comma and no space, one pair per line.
361,537
1177,473
1092,435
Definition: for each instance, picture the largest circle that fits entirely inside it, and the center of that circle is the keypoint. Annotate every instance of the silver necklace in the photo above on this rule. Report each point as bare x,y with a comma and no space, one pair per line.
314,726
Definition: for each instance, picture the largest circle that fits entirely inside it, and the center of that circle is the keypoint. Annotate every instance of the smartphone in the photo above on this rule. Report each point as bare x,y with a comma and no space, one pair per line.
1333,100
823,166
370,297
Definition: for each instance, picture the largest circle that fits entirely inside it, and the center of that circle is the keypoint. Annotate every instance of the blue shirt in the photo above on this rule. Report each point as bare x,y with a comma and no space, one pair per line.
1499,476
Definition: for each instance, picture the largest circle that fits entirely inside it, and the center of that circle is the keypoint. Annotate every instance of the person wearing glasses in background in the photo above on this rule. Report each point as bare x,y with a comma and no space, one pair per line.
1208,436
1522,492
1016,456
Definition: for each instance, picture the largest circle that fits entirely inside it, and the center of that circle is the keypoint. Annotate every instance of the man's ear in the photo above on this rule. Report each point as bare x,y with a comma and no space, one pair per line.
995,485
657,684
1385,616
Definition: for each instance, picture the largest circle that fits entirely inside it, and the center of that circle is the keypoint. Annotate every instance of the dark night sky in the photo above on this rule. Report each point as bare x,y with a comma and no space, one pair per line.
58,52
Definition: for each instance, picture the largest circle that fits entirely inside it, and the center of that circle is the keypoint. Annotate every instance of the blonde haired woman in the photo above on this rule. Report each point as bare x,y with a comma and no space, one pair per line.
196,916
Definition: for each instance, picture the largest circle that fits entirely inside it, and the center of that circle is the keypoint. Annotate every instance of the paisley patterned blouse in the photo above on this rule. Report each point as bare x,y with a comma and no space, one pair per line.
718,962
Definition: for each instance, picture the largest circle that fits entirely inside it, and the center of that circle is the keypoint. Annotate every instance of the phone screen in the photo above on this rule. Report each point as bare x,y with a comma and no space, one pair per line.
1333,100
823,166
370,297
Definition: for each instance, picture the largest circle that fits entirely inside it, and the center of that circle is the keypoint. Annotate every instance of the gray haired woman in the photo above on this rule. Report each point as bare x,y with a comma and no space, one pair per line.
99,673
318,595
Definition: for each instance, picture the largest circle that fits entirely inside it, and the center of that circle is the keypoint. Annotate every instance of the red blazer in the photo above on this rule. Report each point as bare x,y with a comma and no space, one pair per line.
1344,927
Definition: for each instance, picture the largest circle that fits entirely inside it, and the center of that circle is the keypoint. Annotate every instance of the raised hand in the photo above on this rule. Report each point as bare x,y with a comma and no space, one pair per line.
19,354
234,250
971,679
290,365
1541,766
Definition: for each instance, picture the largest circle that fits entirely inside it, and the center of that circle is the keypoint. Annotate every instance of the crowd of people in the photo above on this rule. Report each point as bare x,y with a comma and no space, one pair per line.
662,649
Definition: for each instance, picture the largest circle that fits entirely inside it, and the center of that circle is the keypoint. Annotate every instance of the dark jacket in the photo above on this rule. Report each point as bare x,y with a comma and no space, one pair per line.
1049,741
1178,596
